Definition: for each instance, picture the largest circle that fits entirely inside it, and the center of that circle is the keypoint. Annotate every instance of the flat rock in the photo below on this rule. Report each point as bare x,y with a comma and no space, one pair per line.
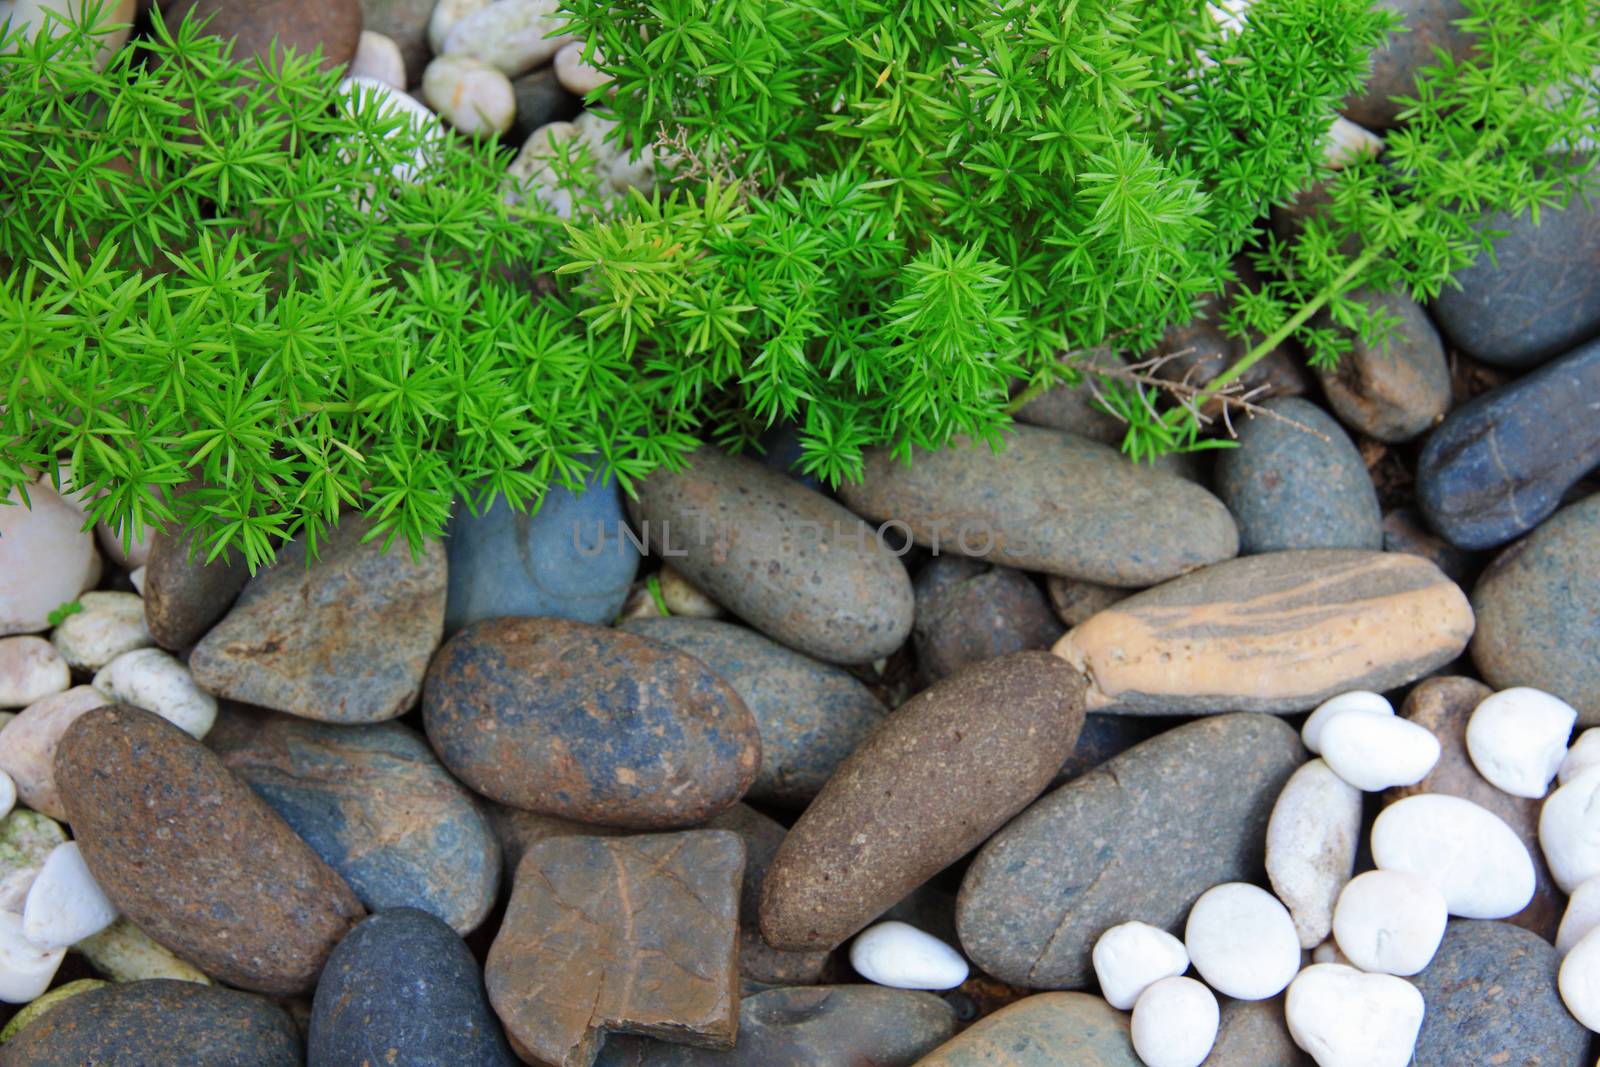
1536,609
403,988
1500,463
588,723
1394,391
811,715
1491,996
627,934
1051,502
787,560
969,611
1253,1033
346,640
571,560
189,853
304,25
813,1027
1140,838
942,773
1444,705
1279,632
1298,482
376,805
134,1024
1045,1030
46,559
1428,25
758,961
184,595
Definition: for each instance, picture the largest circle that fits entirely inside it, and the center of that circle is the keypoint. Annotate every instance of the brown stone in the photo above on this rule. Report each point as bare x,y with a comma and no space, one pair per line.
1045,1030
253,25
1444,705
1254,1033
1396,390
183,594
969,611
937,778
634,934
194,858
1077,601
759,961
519,830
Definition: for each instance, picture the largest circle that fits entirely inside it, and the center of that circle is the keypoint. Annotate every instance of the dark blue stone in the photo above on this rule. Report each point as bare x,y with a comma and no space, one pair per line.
403,990
781,450
1498,465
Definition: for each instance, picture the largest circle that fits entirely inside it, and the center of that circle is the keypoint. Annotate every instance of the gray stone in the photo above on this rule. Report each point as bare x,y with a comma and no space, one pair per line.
758,961
969,611
1428,25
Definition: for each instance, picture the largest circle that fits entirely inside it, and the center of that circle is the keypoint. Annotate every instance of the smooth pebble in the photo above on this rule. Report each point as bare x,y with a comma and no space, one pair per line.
65,903
1390,921
1469,853
1356,700
1579,981
473,96
1131,957
1175,1023
28,745
151,679
378,57
576,75
26,969
514,36
1517,739
1581,916
1311,846
898,955
446,13
1346,1018
1242,941
1375,752
109,625
1568,832
30,670
390,103
1584,753
8,794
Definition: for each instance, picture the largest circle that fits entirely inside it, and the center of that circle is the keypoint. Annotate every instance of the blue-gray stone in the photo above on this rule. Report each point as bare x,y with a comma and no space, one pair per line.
403,990
1298,483
1499,464
571,559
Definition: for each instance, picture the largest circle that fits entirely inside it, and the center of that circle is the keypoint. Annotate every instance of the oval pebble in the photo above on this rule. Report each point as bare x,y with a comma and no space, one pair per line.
378,57
1579,981
1375,752
900,956
1356,700
1390,921
1311,846
1346,1018
28,745
151,679
1568,833
1469,853
445,15
1581,916
1175,1023
26,968
46,558
577,76
1131,957
471,95
65,903
124,953
8,794
1584,753
513,36
41,1006
109,625
30,670
390,103
1242,941
1517,739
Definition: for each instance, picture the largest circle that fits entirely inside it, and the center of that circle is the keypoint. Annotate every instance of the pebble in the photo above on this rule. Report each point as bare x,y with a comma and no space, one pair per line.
1579,981
1074,409
810,715
993,735
588,723
1076,601
1517,739
376,805
422,129
683,597
1099,851
1280,632
403,987
26,840
36,1008
406,23
1396,391
124,953
255,27
187,852
26,968
576,75
109,625
618,168
899,955
512,35
542,101
1131,957
158,1022
968,611
8,794
46,559
1390,921
1536,620
446,13
1346,1018
378,57
30,670
1426,25
116,13
471,95
1374,752
1254,1033
787,560
759,962
1198,351
1584,753
970,500
28,745
346,639
1242,941
1346,142
1175,1023
1102,737
65,904
660,909
151,679
1044,1030
1405,531
1566,831
1470,854
1311,846
1357,700
1500,463
183,596
1298,483
1581,916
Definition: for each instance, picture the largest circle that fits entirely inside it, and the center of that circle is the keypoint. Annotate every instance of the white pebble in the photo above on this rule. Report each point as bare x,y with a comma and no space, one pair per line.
1468,853
390,102
26,969
1584,753
469,94
378,57
1355,700
1311,846
1517,739
1579,980
683,597
1242,941
28,745
30,669
1390,921
65,904
1345,1018
1347,142
1581,916
513,36
575,75
1328,952
151,679
1175,1023
109,625
1131,957
1375,752
1569,830
899,955
46,559
446,13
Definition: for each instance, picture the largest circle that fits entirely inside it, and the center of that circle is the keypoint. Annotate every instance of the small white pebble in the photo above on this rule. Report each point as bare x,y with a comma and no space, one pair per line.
446,13
390,102
26,969
575,75
28,745
470,94
30,670
1328,952
109,625
1347,142
1355,700
1569,833
1311,846
1175,1023
683,597
1584,753
151,679
1517,739
1467,852
513,36
1581,916
1131,957
136,579
899,955
1390,921
65,904
1579,980
1242,941
1375,752
1346,1018
378,57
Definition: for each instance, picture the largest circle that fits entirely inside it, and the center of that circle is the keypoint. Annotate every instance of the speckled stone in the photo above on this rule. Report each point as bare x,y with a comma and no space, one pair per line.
1138,838
376,805
184,596
811,715
402,988
1051,502
946,770
1280,632
332,25
1405,531
1072,409
1046,1030
633,935
406,23
1253,1033
1491,997
1444,705
1103,737
571,560
189,853
159,1022
1298,486
1538,609
588,723
1499,464
969,611
1429,24
1076,600
787,560
758,961
346,640
817,1027
1397,390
